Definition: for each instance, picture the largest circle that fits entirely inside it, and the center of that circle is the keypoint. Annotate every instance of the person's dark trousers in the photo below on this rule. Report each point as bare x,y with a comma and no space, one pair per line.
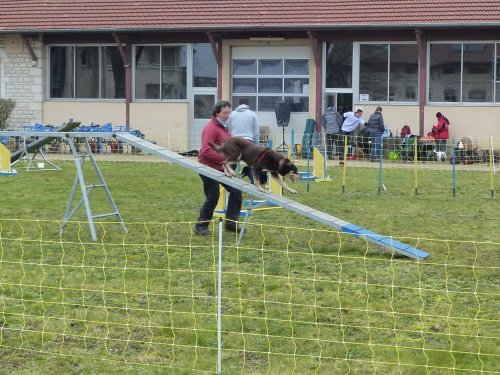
212,193
342,140
376,143
332,141
441,145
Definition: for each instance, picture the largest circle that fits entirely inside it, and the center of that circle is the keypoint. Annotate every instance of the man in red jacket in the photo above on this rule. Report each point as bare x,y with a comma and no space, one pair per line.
216,131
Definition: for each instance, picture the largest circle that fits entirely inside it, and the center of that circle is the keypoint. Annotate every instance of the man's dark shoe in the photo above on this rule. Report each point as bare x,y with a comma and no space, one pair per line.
232,227
201,231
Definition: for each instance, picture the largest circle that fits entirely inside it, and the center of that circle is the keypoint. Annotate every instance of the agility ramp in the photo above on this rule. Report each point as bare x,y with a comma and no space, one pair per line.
79,158
41,141
184,162
282,201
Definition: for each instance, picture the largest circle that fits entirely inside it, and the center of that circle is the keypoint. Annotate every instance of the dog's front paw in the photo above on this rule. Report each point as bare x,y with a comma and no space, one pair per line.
293,191
261,189
228,174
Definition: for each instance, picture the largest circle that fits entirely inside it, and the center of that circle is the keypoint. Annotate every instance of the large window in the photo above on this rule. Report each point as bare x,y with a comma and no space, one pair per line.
462,72
388,72
160,72
204,66
113,73
266,82
62,67
86,72
339,65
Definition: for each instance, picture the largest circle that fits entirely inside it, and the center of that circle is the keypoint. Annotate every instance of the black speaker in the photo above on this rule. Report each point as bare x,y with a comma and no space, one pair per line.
282,111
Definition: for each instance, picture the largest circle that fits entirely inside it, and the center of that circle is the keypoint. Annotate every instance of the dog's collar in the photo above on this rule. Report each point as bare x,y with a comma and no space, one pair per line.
262,153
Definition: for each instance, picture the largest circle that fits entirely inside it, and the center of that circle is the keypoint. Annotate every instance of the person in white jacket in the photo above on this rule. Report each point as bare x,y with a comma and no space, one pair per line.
244,123
352,121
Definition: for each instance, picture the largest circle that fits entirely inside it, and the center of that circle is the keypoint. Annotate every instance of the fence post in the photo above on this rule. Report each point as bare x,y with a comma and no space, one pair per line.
380,143
344,163
415,163
219,303
492,168
454,170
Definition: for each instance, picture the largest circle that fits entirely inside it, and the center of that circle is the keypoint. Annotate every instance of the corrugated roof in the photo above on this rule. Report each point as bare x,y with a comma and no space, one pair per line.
95,15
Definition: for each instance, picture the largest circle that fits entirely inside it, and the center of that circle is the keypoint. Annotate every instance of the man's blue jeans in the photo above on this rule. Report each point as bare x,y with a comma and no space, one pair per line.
376,144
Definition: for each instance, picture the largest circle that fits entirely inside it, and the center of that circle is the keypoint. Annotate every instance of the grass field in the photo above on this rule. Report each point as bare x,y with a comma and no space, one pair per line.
298,297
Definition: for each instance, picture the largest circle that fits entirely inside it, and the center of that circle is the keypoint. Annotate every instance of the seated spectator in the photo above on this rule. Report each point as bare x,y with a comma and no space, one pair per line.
440,132
405,131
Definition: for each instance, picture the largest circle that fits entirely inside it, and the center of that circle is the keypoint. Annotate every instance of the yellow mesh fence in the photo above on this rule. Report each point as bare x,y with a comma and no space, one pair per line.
294,300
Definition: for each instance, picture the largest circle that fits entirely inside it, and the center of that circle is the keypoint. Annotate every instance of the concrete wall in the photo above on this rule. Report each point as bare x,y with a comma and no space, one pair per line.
164,123
22,80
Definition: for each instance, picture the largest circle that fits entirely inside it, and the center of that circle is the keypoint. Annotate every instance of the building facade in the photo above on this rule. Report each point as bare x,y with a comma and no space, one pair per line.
165,80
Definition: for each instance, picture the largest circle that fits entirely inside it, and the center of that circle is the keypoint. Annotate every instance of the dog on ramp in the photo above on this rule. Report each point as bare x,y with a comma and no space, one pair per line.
440,155
259,159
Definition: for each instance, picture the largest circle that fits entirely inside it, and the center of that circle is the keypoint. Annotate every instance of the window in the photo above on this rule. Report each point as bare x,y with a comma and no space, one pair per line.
268,81
374,72
160,72
203,106
444,72
61,72
461,72
410,93
450,95
204,66
388,72
339,65
477,77
86,72
113,74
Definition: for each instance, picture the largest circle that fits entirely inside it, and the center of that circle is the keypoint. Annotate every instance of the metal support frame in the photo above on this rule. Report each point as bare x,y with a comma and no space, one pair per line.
31,160
87,189
43,137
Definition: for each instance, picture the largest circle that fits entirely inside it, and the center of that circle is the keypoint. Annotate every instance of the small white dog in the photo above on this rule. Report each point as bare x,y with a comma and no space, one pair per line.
440,155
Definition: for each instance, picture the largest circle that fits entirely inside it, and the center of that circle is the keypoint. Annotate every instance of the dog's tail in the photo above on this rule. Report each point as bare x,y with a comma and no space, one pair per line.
214,147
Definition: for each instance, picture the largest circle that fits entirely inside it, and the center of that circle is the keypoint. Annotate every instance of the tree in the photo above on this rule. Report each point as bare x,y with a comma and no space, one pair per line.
6,108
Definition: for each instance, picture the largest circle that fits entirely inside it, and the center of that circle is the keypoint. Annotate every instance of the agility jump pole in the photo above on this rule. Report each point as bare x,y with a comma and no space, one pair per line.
319,162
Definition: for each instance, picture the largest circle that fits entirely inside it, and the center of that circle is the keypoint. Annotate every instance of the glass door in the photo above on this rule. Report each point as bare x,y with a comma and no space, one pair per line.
203,105
341,101
204,91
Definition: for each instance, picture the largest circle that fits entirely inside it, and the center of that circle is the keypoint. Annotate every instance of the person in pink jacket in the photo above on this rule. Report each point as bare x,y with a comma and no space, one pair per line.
216,131
440,132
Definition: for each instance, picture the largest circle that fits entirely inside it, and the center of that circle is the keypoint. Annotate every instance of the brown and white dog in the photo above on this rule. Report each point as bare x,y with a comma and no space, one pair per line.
259,159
